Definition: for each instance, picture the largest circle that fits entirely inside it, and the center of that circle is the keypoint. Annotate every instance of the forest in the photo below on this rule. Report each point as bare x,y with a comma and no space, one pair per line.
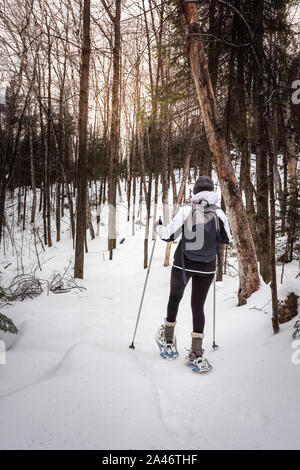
110,110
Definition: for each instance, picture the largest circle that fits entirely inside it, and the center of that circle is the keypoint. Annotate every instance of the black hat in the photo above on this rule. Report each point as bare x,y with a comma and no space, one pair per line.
203,183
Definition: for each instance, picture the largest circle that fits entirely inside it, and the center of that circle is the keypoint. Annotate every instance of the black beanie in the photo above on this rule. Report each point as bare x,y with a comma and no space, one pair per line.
203,183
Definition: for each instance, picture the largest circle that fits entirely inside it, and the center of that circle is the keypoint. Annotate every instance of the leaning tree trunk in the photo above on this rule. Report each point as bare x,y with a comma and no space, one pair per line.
82,154
248,270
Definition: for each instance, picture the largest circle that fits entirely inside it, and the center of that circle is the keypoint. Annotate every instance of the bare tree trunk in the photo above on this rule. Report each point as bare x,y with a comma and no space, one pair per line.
89,217
140,209
129,181
262,218
248,271
82,156
133,203
43,146
275,320
187,162
32,173
173,179
115,128
48,145
164,177
98,217
156,176
183,184
165,185
245,175
58,210
143,185
292,185
24,207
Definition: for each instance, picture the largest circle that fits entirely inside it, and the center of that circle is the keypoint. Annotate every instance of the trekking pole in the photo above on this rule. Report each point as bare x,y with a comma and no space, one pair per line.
215,346
144,290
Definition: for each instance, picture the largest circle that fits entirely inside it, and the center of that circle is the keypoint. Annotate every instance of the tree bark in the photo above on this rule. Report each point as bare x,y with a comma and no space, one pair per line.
89,217
115,129
82,155
262,218
243,135
272,231
32,174
48,152
291,154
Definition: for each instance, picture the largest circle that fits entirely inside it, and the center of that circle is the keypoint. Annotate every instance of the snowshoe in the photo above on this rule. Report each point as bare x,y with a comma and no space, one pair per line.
198,364
167,350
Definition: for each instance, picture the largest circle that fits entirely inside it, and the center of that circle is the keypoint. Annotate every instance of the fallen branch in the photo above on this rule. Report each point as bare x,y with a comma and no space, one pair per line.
63,283
23,286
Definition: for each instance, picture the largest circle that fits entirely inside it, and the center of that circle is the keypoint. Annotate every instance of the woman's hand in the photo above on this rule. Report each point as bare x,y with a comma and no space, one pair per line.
155,224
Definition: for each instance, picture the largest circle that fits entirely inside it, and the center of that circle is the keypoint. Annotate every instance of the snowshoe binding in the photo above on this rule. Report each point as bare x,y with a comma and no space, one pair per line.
168,350
198,364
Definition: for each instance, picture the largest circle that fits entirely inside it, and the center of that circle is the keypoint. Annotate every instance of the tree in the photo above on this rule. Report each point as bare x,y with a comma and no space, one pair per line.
81,216
262,219
115,125
248,270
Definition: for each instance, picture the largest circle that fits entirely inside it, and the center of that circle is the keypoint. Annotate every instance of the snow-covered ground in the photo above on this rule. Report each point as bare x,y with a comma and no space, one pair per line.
71,382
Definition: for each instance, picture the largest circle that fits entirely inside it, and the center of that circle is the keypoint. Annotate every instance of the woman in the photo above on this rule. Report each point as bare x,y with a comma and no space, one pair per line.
204,227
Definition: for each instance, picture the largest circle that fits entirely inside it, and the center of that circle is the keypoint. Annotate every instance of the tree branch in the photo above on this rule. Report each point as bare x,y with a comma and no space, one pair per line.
112,18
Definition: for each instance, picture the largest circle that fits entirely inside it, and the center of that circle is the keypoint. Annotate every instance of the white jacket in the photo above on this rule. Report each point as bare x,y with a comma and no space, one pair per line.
211,197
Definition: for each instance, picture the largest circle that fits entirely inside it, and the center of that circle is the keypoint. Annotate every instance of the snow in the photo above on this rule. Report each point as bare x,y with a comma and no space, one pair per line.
71,382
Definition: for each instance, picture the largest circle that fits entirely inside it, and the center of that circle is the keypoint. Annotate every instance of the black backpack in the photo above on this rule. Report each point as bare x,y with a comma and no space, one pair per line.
201,236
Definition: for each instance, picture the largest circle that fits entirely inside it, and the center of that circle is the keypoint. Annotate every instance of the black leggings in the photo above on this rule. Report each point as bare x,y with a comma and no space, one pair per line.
200,287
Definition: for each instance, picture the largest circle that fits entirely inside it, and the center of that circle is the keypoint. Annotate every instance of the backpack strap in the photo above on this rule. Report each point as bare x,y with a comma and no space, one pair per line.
185,281
212,210
183,262
220,267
